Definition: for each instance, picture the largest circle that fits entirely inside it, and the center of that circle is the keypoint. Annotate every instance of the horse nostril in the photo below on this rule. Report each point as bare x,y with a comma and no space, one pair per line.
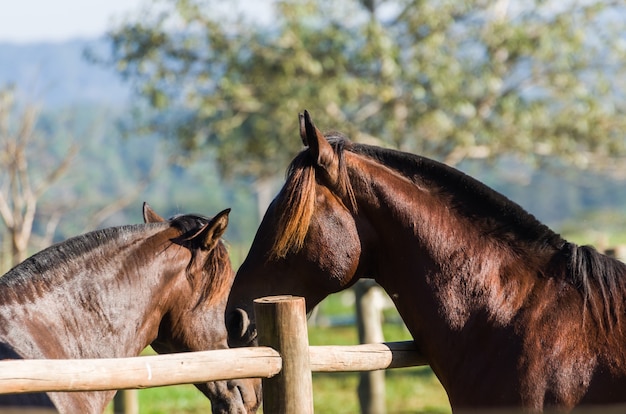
237,325
250,336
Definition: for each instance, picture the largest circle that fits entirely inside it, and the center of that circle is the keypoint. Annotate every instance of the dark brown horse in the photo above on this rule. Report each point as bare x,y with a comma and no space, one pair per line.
507,313
112,292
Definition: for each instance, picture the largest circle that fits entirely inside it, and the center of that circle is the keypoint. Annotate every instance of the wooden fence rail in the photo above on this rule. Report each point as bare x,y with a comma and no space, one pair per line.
21,376
38,375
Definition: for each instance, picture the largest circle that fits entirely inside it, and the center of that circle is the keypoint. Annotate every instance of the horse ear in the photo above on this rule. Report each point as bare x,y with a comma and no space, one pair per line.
214,230
149,215
321,151
303,130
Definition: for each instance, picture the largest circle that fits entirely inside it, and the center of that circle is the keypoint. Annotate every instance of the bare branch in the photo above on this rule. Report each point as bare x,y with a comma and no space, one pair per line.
55,174
5,212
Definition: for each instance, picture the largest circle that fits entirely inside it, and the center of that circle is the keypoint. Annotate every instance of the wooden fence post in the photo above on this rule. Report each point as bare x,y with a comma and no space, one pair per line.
281,324
618,252
126,402
371,388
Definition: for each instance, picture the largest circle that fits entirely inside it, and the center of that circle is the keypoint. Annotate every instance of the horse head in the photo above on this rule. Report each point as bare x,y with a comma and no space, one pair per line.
310,241
194,318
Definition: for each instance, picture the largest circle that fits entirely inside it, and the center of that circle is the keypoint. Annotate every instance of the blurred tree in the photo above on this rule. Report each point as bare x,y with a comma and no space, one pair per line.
21,186
48,189
447,79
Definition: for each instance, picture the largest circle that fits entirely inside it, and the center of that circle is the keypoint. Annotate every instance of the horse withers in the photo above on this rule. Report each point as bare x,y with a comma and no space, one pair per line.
507,313
112,292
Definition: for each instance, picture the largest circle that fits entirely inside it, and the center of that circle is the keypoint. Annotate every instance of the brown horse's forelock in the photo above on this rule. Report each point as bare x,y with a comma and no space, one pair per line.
296,201
295,204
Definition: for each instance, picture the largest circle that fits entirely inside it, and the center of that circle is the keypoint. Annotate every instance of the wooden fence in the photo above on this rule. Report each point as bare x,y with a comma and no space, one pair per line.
284,361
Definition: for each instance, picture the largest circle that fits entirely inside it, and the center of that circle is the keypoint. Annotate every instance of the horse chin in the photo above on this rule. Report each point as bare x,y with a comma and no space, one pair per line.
233,397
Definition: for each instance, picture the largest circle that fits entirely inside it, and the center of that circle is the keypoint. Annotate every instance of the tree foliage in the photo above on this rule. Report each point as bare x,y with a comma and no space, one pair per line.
447,79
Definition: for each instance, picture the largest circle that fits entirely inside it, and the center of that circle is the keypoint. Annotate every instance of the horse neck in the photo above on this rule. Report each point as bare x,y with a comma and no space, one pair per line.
104,307
430,255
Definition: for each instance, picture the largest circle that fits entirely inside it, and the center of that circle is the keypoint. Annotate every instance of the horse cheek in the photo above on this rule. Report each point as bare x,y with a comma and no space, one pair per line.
341,250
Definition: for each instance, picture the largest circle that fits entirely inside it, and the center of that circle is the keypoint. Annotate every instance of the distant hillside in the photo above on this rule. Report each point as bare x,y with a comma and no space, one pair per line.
57,74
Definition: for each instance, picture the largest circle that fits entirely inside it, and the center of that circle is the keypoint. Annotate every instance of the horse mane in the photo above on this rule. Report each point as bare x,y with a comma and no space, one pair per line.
601,280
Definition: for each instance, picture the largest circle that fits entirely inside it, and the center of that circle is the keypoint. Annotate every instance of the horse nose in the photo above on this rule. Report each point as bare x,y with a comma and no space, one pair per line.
242,396
240,331
250,392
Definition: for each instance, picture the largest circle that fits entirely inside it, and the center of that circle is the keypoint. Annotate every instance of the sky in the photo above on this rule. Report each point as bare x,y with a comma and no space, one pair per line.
34,21
27,21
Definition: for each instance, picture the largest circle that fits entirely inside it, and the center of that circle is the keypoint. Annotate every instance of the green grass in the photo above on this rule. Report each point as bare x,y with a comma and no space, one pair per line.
408,390
182,399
